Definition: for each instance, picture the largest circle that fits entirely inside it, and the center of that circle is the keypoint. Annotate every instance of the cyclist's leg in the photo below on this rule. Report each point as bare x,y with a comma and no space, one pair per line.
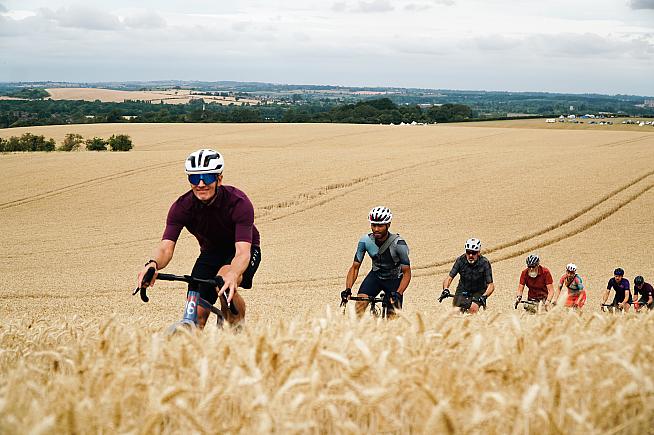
389,286
244,281
461,301
370,287
206,267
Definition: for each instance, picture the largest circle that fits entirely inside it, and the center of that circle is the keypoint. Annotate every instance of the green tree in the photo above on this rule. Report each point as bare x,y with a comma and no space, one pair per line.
96,144
121,142
2,145
71,142
31,142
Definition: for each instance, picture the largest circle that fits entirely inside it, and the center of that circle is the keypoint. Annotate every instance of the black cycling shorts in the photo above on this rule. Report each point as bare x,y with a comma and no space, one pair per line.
209,263
372,285
463,299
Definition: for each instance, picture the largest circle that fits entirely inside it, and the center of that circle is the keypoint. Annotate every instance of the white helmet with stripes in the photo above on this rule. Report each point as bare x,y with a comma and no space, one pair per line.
571,267
380,215
204,161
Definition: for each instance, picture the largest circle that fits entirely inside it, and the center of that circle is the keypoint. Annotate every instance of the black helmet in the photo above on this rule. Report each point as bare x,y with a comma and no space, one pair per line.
639,280
618,272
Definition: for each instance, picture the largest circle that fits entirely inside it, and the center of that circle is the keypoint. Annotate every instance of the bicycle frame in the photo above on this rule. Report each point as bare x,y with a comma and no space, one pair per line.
446,294
193,298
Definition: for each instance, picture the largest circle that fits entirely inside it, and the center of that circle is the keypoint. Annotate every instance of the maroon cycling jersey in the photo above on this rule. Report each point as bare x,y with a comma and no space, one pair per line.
537,286
227,219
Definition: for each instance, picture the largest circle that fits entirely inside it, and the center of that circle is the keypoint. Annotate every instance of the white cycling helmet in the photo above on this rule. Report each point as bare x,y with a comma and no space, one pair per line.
380,215
571,267
473,245
204,161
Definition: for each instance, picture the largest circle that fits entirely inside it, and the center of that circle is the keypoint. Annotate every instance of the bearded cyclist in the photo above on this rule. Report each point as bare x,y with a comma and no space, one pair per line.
475,278
646,292
391,268
538,280
222,220
572,281
620,284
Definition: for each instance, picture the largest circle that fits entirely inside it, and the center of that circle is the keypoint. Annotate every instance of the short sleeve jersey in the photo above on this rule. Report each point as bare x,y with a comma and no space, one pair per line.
620,288
474,278
389,264
537,286
574,284
645,291
217,226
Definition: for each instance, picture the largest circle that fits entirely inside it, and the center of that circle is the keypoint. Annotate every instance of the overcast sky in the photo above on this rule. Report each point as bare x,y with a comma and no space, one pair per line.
601,46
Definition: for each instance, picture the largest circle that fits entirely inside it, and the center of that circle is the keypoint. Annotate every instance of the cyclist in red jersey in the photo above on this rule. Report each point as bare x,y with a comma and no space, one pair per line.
573,282
538,280
222,220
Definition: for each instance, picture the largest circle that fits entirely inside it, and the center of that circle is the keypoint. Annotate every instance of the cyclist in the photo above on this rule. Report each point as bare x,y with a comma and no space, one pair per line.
538,280
391,268
646,292
620,284
222,220
575,285
475,278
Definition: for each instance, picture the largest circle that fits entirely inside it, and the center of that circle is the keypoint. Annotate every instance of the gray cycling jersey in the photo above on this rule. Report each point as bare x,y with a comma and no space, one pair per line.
389,266
474,278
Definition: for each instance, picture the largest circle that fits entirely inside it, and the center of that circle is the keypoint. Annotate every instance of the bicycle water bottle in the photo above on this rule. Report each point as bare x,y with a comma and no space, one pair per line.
191,308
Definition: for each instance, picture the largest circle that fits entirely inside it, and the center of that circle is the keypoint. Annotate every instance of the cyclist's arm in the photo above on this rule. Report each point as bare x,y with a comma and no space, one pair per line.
406,279
627,293
447,281
162,254
238,265
490,288
550,292
352,274
521,289
605,296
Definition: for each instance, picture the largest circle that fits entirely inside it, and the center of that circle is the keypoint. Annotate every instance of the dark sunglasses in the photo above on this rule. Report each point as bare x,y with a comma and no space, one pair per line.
194,179
472,252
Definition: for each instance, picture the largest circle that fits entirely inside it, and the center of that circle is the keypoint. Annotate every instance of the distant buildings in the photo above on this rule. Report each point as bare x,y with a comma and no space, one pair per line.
649,103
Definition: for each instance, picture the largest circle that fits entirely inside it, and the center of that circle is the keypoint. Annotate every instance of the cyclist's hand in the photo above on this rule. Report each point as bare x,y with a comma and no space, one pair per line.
480,300
444,294
141,276
231,283
517,301
397,300
345,294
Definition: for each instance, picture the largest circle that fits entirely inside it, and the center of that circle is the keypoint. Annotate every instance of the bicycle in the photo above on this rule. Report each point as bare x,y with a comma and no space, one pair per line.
387,307
612,308
466,295
532,306
193,299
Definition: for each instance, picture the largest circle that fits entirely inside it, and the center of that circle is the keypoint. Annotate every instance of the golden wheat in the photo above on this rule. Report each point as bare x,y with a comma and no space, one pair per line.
555,373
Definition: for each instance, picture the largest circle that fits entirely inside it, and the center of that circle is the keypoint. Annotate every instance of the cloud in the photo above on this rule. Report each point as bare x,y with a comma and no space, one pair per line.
374,6
417,7
641,4
3,8
339,7
82,17
145,20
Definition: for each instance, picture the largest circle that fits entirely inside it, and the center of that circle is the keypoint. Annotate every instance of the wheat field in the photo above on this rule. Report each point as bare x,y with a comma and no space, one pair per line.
80,354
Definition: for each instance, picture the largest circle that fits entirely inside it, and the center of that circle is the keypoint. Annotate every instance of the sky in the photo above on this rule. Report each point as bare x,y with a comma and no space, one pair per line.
581,46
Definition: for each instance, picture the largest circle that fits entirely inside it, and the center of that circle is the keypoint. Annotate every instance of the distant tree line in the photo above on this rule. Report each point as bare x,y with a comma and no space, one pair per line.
72,142
375,111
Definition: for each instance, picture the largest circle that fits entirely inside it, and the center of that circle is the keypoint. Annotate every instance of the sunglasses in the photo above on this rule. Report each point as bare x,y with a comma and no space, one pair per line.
195,179
472,252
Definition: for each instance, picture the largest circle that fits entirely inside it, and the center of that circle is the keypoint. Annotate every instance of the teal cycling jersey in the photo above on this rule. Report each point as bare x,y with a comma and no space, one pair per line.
389,264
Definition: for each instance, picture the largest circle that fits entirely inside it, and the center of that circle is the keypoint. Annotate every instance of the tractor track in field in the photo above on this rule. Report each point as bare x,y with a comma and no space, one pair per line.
305,201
